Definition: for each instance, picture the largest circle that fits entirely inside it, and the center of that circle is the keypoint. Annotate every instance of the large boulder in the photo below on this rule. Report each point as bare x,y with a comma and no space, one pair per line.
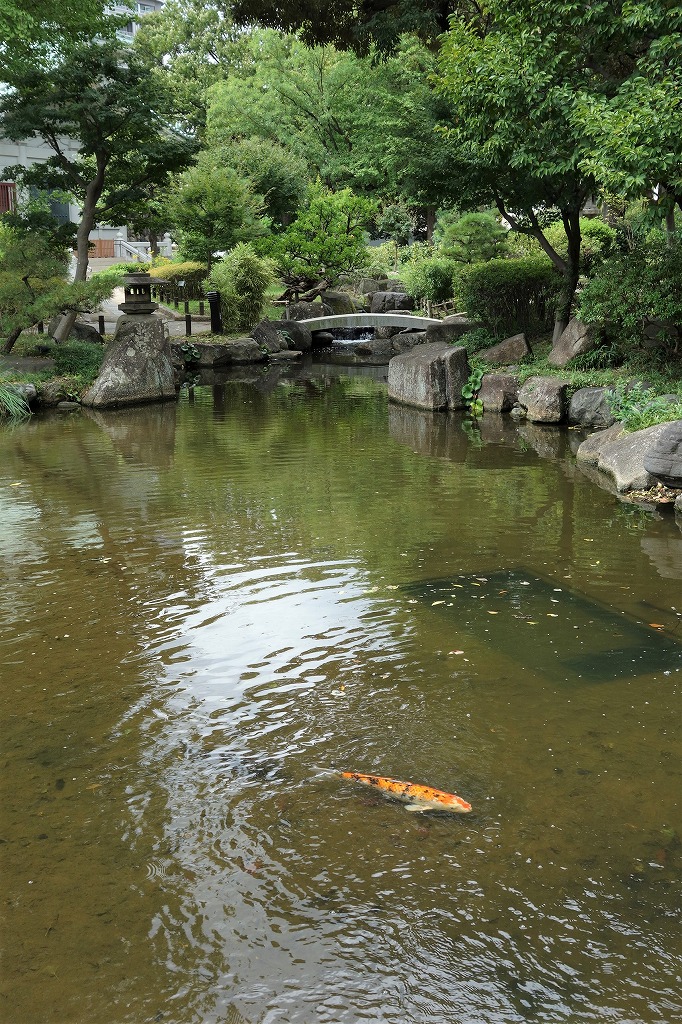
238,351
576,339
266,335
544,399
137,365
498,392
511,350
589,407
450,329
298,335
429,377
308,310
339,302
664,459
388,302
79,332
621,456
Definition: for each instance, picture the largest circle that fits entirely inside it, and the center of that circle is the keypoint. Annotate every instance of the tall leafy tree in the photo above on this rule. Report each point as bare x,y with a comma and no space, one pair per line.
635,126
211,209
29,31
524,84
95,93
188,47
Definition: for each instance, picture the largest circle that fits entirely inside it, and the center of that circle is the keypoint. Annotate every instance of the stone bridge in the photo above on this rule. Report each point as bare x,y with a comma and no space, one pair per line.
324,323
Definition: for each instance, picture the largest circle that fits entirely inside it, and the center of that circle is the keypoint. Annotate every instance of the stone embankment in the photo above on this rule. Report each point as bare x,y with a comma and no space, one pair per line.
645,465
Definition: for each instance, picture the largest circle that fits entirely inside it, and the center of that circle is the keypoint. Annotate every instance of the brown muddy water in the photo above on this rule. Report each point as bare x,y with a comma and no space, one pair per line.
203,605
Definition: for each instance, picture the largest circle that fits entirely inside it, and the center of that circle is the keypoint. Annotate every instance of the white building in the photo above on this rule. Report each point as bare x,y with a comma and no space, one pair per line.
106,241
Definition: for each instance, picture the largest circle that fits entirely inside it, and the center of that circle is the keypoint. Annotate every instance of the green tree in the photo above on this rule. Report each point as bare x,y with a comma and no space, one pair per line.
188,47
635,128
94,93
29,31
34,262
302,99
520,83
211,208
474,238
326,239
242,278
275,173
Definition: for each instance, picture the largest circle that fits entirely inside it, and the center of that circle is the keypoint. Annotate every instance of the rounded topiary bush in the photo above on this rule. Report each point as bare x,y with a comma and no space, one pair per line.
510,296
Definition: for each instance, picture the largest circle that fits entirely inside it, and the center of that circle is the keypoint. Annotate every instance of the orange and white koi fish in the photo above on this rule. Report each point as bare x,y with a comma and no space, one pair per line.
414,796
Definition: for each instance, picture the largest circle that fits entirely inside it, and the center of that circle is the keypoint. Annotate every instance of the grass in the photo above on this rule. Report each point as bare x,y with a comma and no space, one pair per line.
13,406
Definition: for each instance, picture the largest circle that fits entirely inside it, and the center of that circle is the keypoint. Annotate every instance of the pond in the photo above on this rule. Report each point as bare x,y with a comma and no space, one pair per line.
208,608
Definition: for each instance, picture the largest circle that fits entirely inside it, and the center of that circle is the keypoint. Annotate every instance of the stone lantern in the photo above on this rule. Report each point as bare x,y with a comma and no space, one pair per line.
138,294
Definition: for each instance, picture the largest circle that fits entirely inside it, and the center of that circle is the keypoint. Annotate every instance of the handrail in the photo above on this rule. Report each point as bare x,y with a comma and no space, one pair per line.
122,244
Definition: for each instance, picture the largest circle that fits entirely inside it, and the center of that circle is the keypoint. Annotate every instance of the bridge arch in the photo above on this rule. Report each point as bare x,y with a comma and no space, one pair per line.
322,323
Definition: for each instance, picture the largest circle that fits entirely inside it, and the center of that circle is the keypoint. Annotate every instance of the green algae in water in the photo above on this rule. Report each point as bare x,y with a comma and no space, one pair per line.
547,628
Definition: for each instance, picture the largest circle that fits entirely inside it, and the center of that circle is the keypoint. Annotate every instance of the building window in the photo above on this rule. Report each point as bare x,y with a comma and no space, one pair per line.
8,196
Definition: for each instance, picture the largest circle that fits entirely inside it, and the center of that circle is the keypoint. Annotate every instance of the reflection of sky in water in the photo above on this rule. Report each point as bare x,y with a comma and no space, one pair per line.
279,621
19,531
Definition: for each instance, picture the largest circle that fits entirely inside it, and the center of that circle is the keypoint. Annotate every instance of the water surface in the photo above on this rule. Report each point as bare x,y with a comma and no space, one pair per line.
203,605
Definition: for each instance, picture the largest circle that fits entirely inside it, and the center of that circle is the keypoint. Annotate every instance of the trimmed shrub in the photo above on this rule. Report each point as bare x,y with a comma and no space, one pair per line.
189,271
510,296
78,358
242,279
430,278
474,238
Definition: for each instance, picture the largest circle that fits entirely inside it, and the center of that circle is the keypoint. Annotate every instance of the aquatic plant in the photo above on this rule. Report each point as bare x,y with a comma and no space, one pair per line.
13,405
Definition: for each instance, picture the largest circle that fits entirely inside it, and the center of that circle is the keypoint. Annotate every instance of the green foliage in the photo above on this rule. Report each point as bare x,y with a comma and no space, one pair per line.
190,353
275,173
380,260
242,279
81,359
13,405
477,339
327,238
645,284
473,238
33,282
510,296
430,278
598,242
395,222
638,407
211,208
191,272
93,91
470,392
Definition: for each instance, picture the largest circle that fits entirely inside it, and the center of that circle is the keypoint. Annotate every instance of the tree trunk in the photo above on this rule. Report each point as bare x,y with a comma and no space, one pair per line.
571,273
670,225
10,340
92,197
153,239
430,222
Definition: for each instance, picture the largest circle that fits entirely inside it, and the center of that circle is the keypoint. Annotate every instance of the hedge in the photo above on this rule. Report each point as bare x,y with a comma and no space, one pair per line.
510,295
